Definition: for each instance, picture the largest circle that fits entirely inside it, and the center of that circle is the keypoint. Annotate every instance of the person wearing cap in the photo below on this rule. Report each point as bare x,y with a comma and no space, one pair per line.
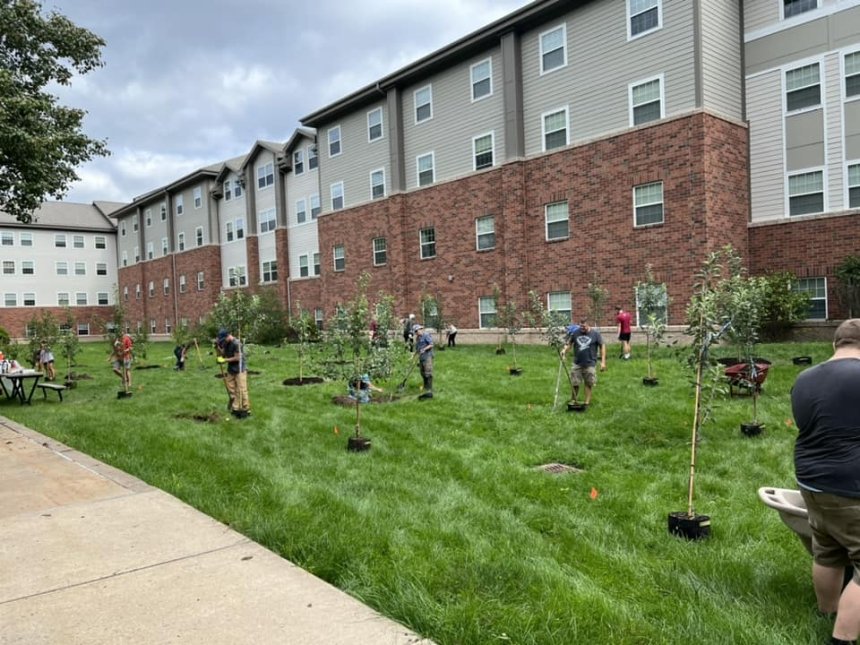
361,388
231,353
424,349
585,342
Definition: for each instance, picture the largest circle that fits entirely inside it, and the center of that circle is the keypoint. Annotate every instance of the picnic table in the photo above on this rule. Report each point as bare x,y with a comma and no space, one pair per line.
16,384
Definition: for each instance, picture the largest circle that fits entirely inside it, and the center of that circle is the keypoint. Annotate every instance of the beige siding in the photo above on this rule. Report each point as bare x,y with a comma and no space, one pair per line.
304,238
804,140
764,110
265,197
852,130
191,218
760,13
722,75
232,253
834,151
303,241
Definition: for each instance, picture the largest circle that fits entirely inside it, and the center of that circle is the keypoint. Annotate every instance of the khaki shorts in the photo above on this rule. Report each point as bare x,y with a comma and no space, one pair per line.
835,523
578,374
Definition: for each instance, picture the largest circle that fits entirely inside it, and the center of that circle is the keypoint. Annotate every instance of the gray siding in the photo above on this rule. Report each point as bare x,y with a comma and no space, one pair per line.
722,86
601,64
456,120
804,140
852,130
191,217
767,177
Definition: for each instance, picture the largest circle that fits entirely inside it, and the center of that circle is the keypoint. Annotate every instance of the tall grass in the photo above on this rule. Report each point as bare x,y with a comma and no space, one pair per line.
446,526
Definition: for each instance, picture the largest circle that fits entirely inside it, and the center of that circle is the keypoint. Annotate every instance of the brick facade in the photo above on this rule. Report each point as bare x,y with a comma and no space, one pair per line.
15,319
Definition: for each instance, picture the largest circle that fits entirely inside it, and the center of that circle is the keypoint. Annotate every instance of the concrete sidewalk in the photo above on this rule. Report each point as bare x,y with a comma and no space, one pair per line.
90,555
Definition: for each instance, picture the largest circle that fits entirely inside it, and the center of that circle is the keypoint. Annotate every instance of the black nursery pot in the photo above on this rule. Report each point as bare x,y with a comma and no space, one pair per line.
576,407
123,395
358,444
515,371
696,527
500,350
650,381
802,360
751,429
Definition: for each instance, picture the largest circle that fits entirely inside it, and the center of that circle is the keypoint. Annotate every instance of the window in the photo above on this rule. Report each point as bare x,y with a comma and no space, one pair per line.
648,204
180,204
166,286
137,292
148,217
482,79
854,186
238,186
151,289
337,196
299,162
301,214
377,184
339,254
180,241
380,251
557,226
26,239
267,220
198,197
236,276
198,236
796,7
63,298
374,124
315,206
423,99
62,268
183,284
78,241
134,224
163,210
137,254
852,75
304,270
646,101
125,258
660,308
28,267
228,231
7,239
153,326
150,252
334,141
102,298
122,229
83,329
8,267
318,318
316,262
201,283
100,242
554,127
270,271
643,17
427,238
486,312
485,232
80,268
313,159
10,299
559,303
817,290
265,176
81,298
482,149
806,193
101,268
228,190
425,167
163,246
553,49
802,88
168,326
60,241
124,293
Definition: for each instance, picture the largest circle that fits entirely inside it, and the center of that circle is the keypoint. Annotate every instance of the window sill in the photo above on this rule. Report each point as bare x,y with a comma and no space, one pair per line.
555,240
637,227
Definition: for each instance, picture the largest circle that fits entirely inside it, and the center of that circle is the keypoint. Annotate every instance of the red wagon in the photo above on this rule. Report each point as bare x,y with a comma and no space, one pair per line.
746,377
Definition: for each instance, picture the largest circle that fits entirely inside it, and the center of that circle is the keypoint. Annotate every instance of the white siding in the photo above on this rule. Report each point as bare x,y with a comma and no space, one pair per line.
764,109
721,59
303,239
760,13
232,253
833,145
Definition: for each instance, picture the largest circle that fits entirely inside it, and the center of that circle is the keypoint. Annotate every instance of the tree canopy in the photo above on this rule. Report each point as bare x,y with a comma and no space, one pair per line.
41,141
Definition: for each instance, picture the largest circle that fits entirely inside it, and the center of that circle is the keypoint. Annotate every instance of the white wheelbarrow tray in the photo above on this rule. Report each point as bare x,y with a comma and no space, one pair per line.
792,511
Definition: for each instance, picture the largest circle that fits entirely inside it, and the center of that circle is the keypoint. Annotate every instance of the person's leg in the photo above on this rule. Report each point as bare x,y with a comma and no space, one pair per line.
827,582
242,391
128,374
847,625
590,377
230,380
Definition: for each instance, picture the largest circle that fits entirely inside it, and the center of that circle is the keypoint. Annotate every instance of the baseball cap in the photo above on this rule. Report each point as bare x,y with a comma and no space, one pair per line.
416,327
222,334
572,329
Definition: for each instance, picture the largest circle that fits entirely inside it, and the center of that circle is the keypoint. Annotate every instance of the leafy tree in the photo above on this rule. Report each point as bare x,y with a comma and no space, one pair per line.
553,329
44,329
653,304
743,303
254,318
41,141
68,341
598,296
303,327
140,338
782,306
848,274
510,318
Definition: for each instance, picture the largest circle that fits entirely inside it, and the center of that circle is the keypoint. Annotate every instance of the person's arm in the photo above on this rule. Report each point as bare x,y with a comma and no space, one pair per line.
602,357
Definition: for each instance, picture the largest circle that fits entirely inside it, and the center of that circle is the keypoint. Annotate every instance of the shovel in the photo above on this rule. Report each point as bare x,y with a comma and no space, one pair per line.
408,374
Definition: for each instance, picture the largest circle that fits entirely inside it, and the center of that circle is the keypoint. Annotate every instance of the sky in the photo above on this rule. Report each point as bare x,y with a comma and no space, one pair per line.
188,83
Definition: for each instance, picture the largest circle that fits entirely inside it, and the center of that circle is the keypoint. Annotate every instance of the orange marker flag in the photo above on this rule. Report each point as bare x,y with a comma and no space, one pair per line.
594,493
788,423
337,430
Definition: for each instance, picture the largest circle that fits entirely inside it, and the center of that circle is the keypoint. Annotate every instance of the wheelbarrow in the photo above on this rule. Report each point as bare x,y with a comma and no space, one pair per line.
746,377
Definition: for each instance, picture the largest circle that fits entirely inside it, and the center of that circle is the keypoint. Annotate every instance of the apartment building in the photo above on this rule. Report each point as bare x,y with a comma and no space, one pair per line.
63,261
568,143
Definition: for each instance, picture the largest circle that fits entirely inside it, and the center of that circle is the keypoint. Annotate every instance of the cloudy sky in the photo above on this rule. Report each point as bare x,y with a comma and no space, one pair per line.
187,83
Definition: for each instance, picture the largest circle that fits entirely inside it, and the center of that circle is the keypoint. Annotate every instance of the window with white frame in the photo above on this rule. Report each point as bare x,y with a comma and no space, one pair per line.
852,75
265,176
198,197
339,256
486,312
267,220
482,79
81,298
315,259
80,268
122,228
179,204
101,268
313,158
125,258
238,186
482,151
648,204
646,101
201,280
301,212
229,236
423,100
137,254
817,290
134,224
236,276
150,250
806,193
125,293
427,239
137,292
183,284
380,251
62,268
334,147
83,329
180,241
377,184
10,299
153,326
557,221
151,289
28,267
228,190
163,246
29,299
796,7
643,17
270,271
147,216
26,239
553,49
659,299
7,239
240,228
425,167
8,267
554,127
374,124
854,185
304,268
319,318
559,303
168,326
802,88
337,196
60,241
163,210
298,162
102,298
198,236
485,233
315,206
64,301
78,241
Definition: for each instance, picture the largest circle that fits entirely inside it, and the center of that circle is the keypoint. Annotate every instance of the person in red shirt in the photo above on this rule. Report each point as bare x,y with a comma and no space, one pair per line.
623,319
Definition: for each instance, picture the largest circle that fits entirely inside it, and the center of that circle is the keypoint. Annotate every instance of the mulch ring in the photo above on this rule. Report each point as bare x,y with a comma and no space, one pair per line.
211,417
146,367
307,380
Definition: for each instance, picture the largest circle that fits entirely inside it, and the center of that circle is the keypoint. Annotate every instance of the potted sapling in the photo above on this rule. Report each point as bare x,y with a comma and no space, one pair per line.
553,328
304,330
69,347
510,319
598,296
653,304
497,298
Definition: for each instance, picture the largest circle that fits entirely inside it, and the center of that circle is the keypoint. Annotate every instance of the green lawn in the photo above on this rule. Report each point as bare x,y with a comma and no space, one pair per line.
446,526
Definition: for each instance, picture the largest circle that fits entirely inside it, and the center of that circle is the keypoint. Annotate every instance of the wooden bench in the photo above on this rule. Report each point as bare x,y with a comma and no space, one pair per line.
56,387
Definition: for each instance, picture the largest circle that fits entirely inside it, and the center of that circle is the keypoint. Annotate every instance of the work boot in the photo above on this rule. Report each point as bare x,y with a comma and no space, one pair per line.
428,388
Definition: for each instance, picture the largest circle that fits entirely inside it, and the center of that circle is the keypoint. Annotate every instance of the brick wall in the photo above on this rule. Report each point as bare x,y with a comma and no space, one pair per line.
14,319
